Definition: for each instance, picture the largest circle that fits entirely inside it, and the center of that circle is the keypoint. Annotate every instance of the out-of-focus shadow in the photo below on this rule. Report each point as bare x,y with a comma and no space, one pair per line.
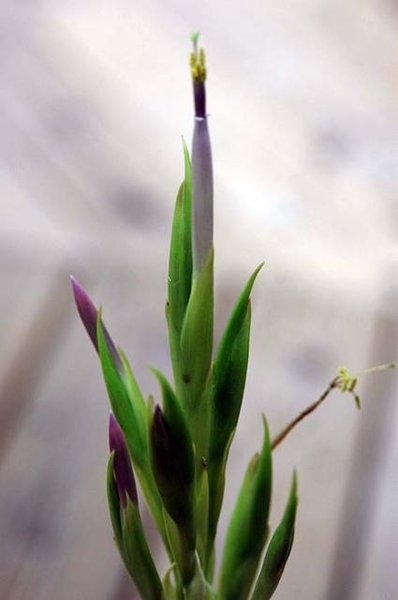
374,442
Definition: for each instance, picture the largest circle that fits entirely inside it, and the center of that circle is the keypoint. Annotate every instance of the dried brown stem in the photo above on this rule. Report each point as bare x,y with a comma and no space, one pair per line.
281,436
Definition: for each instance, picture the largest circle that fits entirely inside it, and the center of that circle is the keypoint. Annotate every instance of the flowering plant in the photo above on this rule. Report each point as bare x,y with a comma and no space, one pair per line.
178,450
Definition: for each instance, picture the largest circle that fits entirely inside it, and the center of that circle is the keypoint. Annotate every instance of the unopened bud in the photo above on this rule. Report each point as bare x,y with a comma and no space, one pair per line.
123,471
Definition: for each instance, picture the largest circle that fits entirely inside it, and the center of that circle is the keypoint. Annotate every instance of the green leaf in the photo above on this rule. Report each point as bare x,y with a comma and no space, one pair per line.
114,506
127,405
229,372
202,513
130,541
182,549
196,353
169,590
236,319
180,259
247,531
216,472
229,378
278,549
137,556
123,408
135,395
228,382
198,588
180,268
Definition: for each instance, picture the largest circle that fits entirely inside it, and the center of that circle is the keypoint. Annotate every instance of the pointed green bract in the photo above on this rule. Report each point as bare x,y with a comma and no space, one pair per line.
278,550
182,550
180,258
228,379
180,268
130,540
229,372
134,392
247,531
169,589
216,476
197,334
225,405
199,588
137,556
196,353
120,400
202,513
235,321
228,383
114,505
132,419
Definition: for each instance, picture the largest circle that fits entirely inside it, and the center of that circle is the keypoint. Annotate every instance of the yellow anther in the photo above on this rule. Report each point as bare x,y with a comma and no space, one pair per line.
352,384
202,58
197,61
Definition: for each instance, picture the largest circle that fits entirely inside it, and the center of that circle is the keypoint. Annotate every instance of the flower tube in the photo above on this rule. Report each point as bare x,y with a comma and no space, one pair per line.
202,168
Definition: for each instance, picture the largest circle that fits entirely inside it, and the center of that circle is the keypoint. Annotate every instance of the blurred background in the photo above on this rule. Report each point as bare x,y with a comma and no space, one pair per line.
94,99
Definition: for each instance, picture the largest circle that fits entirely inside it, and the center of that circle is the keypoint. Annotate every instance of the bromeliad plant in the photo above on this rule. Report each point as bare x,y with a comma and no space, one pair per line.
178,450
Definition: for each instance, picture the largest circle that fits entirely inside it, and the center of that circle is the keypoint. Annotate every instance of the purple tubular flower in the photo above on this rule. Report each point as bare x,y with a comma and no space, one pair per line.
123,471
202,193
199,96
88,314
202,169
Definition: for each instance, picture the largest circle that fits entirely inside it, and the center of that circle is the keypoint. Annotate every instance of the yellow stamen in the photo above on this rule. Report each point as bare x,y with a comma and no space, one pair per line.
197,61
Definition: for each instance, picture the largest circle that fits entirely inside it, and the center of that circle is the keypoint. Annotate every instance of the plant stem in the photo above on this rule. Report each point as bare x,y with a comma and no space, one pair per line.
281,436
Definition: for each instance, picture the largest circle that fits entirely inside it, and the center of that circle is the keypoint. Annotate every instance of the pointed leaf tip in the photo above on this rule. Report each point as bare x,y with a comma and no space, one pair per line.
86,309
279,549
89,315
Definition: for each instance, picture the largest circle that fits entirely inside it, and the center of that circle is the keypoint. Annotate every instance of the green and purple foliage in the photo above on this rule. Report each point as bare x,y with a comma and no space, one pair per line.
179,449
122,469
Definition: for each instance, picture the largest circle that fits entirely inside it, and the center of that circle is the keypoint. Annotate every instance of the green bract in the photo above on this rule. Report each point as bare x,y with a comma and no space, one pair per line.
248,527
278,550
180,270
178,446
131,542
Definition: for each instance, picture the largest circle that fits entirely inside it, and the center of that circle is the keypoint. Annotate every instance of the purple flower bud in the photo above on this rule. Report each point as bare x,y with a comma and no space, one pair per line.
161,441
173,467
123,471
88,314
202,169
